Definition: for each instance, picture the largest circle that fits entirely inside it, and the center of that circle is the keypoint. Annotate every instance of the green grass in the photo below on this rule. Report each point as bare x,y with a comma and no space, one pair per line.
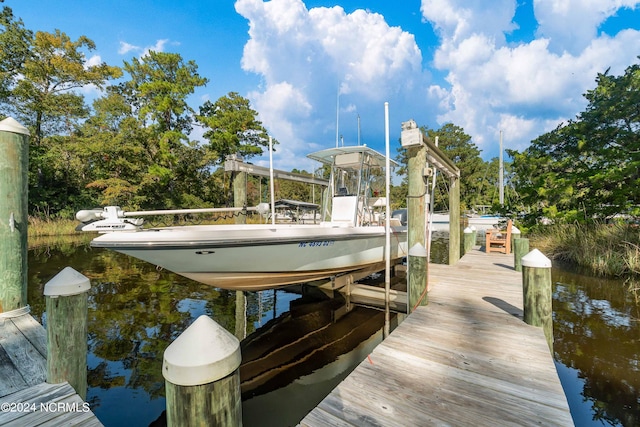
39,227
603,249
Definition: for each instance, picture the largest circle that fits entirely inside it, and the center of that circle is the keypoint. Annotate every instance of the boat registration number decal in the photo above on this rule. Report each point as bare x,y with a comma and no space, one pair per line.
316,244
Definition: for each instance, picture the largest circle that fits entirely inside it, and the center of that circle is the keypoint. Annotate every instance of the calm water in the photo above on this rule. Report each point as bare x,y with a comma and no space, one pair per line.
136,311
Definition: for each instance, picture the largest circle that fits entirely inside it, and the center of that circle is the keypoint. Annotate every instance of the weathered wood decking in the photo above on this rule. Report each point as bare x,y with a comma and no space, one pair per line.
25,398
465,359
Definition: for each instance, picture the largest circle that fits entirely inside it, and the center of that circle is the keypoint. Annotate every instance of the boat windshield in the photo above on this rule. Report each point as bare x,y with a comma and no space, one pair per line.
357,182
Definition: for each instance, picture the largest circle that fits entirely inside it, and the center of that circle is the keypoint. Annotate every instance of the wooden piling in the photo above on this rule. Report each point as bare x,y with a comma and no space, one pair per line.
416,205
412,140
537,292
14,167
454,220
520,249
240,194
515,234
469,239
66,297
417,277
202,377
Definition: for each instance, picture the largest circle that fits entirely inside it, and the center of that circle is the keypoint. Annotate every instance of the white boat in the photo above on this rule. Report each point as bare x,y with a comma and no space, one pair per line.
264,256
439,221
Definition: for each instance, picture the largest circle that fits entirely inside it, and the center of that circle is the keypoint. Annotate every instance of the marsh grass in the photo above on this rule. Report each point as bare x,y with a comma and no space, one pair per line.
39,227
603,249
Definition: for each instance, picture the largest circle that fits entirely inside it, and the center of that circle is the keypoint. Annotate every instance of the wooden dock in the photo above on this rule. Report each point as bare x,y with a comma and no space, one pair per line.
465,359
25,398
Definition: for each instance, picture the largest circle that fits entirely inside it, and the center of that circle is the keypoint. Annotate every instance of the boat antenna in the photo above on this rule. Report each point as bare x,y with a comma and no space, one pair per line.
501,174
358,129
387,215
337,117
271,183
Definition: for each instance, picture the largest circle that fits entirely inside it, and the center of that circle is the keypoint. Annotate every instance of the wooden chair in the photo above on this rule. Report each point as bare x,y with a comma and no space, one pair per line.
499,240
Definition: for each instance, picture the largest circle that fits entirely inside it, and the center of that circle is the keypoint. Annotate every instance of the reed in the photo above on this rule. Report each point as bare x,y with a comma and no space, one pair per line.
604,249
39,226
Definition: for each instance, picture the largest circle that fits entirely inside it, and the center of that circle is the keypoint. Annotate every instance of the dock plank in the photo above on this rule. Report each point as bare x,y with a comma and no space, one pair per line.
467,358
25,358
25,398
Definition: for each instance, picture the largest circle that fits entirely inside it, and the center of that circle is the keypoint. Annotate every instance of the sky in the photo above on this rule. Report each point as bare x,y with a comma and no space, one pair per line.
319,72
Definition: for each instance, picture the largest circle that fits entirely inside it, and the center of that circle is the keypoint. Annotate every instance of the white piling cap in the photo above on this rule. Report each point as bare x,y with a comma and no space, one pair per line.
418,250
205,352
11,125
535,259
66,283
467,230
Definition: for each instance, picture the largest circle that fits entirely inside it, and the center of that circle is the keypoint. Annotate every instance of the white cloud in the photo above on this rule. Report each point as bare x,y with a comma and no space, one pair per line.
305,57
93,61
126,48
457,20
525,89
158,47
571,25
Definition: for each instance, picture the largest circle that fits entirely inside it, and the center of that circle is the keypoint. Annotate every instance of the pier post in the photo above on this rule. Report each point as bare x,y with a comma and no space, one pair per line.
537,292
417,279
469,240
416,205
454,220
14,168
520,249
202,376
240,194
412,140
66,297
515,234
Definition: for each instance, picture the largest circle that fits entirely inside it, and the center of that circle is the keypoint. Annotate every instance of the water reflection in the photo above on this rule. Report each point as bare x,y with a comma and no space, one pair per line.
299,342
597,342
295,351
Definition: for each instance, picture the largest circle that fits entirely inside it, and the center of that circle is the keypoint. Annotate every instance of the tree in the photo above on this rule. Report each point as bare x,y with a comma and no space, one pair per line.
45,99
158,89
157,93
15,42
589,168
56,66
232,127
113,148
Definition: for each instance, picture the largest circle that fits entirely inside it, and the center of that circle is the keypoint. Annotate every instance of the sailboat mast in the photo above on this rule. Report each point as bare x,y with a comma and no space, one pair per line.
501,174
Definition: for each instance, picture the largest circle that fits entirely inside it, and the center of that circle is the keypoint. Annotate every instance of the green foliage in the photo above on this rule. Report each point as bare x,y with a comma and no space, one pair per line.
232,127
15,42
158,89
44,99
589,168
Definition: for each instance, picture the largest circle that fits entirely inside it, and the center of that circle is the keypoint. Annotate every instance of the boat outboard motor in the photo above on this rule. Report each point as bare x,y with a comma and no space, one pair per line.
111,218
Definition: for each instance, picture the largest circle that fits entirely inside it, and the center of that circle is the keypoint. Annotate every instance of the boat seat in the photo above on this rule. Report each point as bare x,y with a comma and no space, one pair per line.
499,240
343,209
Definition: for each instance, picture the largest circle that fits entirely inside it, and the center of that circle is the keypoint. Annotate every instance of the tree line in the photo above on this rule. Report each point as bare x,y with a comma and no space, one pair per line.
135,145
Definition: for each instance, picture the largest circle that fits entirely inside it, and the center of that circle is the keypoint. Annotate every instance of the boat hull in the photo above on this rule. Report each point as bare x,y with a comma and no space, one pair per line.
257,257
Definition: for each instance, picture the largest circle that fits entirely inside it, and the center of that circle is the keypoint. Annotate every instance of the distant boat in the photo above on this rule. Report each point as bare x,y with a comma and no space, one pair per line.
264,256
440,220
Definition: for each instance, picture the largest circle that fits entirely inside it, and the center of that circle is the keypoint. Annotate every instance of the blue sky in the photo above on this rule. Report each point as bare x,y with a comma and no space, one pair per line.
486,66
